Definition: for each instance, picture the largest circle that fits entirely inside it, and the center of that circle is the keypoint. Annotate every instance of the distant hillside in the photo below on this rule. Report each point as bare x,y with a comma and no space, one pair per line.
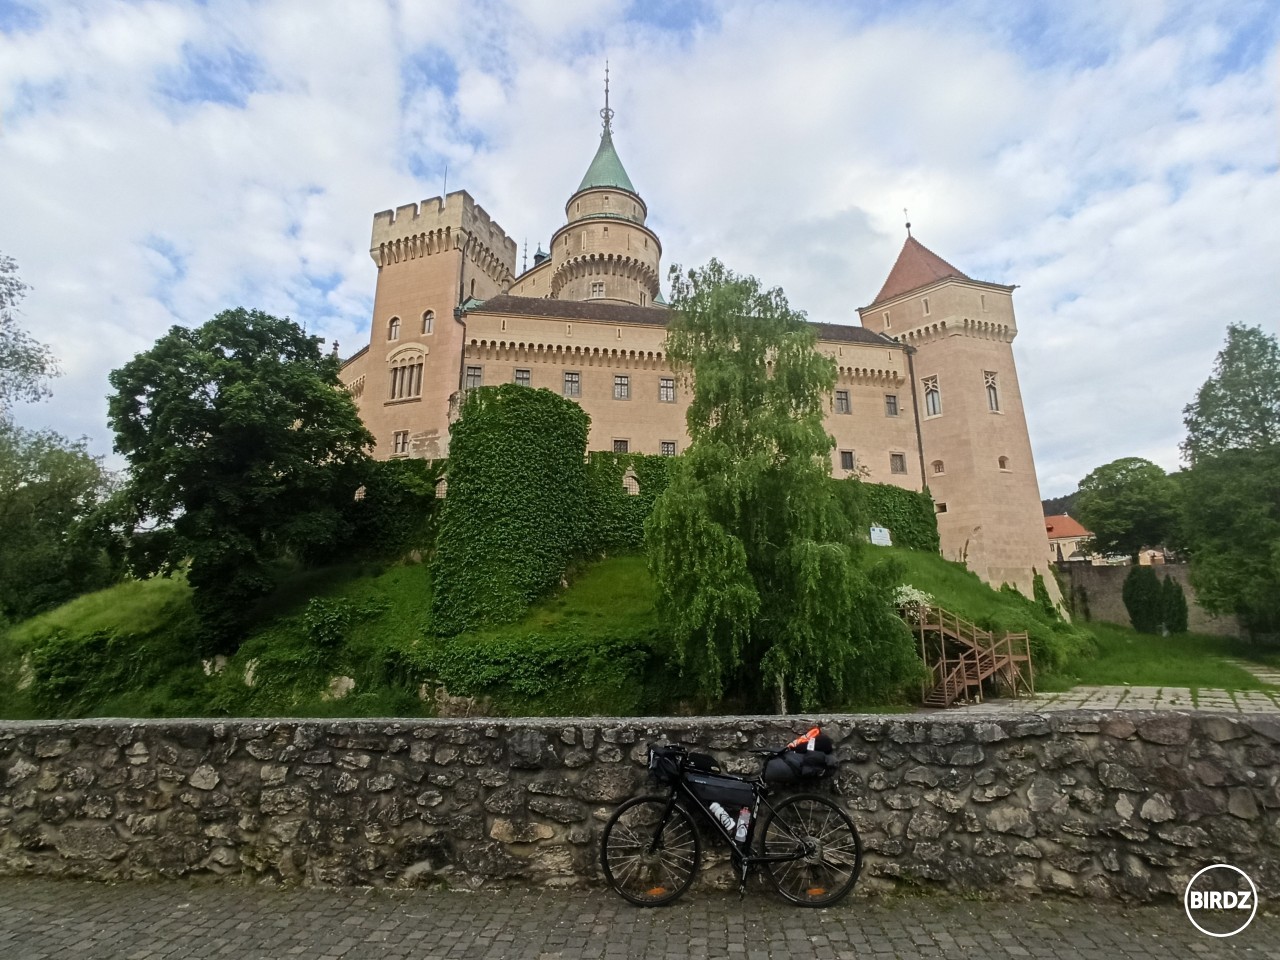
1059,505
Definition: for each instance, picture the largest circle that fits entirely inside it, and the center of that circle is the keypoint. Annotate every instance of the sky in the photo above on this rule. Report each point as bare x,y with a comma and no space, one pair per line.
1116,159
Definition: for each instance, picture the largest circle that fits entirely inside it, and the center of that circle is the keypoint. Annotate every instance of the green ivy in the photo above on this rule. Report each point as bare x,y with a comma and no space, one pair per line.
908,515
512,518
613,518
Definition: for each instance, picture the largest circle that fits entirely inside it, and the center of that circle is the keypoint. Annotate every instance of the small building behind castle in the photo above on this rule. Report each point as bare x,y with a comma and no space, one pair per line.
926,395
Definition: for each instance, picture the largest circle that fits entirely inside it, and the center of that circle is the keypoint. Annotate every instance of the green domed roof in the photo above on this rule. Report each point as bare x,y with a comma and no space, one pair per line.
606,169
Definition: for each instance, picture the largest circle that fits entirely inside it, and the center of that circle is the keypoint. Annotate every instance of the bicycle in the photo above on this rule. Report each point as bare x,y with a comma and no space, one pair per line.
651,847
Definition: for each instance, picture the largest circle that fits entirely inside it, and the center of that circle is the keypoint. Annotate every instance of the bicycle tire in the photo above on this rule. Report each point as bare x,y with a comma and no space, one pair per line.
826,842
650,878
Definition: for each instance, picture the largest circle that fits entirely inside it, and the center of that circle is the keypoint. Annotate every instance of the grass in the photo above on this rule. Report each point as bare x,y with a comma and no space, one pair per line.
595,647
1143,660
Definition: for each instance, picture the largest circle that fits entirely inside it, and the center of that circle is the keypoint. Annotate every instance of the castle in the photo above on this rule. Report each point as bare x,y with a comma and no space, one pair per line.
926,395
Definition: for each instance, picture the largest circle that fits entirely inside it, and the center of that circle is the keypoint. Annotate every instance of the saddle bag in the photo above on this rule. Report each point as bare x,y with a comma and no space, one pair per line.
806,760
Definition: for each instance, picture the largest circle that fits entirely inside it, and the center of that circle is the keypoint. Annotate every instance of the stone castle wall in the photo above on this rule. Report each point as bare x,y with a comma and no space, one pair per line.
1098,590
1114,805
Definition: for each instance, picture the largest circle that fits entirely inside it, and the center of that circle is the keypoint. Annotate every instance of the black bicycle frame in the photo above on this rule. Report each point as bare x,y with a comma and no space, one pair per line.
741,851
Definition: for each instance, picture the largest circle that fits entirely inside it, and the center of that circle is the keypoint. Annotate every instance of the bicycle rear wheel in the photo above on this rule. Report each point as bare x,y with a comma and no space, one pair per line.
646,860
825,845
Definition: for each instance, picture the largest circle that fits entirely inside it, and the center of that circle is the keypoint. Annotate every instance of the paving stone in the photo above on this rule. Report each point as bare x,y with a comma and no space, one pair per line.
127,921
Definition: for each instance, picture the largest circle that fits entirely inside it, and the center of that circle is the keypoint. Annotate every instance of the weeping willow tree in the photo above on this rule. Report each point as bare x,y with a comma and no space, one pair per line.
756,560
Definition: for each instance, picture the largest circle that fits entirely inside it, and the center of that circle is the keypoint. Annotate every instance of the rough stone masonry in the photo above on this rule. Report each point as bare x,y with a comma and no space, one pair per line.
1098,804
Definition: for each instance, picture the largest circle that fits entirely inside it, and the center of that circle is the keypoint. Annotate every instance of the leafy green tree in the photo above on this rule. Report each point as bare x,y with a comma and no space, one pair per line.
50,490
1231,524
1128,504
1238,408
242,447
25,363
754,557
1173,606
1143,599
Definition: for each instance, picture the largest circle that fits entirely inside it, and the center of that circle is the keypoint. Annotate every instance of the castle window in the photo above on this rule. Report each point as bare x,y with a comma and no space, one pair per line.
474,377
621,446
993,392
606,229
667,389
400,442
887,322
597,288
925,303
940,507
938,466
847,459
932,397
523,378
642,299
606,203
842,402
890,404
572,383
393,329
1004,463
429,322
897,463
630,484
406,380
667,448
568,329
442,488
982,298
621,387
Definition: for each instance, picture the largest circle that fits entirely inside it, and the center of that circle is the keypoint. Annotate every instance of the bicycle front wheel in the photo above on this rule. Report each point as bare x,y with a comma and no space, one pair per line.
821,842
647,860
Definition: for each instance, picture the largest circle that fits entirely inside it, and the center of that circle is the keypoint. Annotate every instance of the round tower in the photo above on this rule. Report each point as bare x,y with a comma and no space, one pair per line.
604,251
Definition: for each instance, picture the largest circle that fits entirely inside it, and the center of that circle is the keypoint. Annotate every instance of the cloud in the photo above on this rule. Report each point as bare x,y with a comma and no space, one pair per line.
161,161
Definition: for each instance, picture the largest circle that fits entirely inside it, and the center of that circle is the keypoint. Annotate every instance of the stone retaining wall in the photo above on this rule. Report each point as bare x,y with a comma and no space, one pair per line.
1100,804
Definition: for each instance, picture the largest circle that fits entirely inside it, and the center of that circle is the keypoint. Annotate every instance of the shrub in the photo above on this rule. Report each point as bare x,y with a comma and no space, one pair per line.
1173,606
1142,599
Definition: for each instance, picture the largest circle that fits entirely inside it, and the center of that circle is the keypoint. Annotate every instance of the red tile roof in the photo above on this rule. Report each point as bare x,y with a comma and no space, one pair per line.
917,266
1062,526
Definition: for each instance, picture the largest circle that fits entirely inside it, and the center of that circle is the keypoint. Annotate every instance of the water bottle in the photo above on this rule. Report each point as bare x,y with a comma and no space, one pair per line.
723,816
744,821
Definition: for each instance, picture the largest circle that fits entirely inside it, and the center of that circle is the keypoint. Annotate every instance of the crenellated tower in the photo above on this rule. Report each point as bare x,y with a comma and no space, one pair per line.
975,450
431,258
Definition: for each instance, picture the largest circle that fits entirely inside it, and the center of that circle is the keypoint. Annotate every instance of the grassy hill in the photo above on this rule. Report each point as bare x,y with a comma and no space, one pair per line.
593,648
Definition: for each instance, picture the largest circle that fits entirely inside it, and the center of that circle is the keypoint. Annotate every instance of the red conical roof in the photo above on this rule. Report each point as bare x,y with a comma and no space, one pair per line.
917,266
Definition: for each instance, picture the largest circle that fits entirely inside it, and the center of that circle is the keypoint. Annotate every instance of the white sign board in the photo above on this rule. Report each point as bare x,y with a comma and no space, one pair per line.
880,537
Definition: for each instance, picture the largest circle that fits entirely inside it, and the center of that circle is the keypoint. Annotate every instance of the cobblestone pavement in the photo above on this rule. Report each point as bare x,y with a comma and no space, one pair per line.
1140,698
42,919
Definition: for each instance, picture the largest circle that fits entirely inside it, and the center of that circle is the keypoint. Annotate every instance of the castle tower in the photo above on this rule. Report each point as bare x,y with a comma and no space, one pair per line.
431,257
604,251
974,444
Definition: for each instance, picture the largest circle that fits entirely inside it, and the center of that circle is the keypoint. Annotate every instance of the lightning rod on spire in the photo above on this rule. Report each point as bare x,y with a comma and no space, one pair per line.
606,114
906,217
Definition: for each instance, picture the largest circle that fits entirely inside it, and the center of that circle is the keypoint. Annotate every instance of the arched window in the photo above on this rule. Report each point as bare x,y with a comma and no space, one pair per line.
993,393
939,466
429,322
1004,463
932,397
393,329
630,483
442,488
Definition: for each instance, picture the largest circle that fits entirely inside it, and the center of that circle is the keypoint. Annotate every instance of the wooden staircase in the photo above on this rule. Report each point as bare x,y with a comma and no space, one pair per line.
961,657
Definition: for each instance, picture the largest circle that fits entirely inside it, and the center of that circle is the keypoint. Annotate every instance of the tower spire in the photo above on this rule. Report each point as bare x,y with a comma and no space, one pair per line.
907,217
606,114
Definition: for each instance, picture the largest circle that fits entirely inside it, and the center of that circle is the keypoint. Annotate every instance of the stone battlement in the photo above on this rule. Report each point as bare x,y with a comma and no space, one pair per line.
456,216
